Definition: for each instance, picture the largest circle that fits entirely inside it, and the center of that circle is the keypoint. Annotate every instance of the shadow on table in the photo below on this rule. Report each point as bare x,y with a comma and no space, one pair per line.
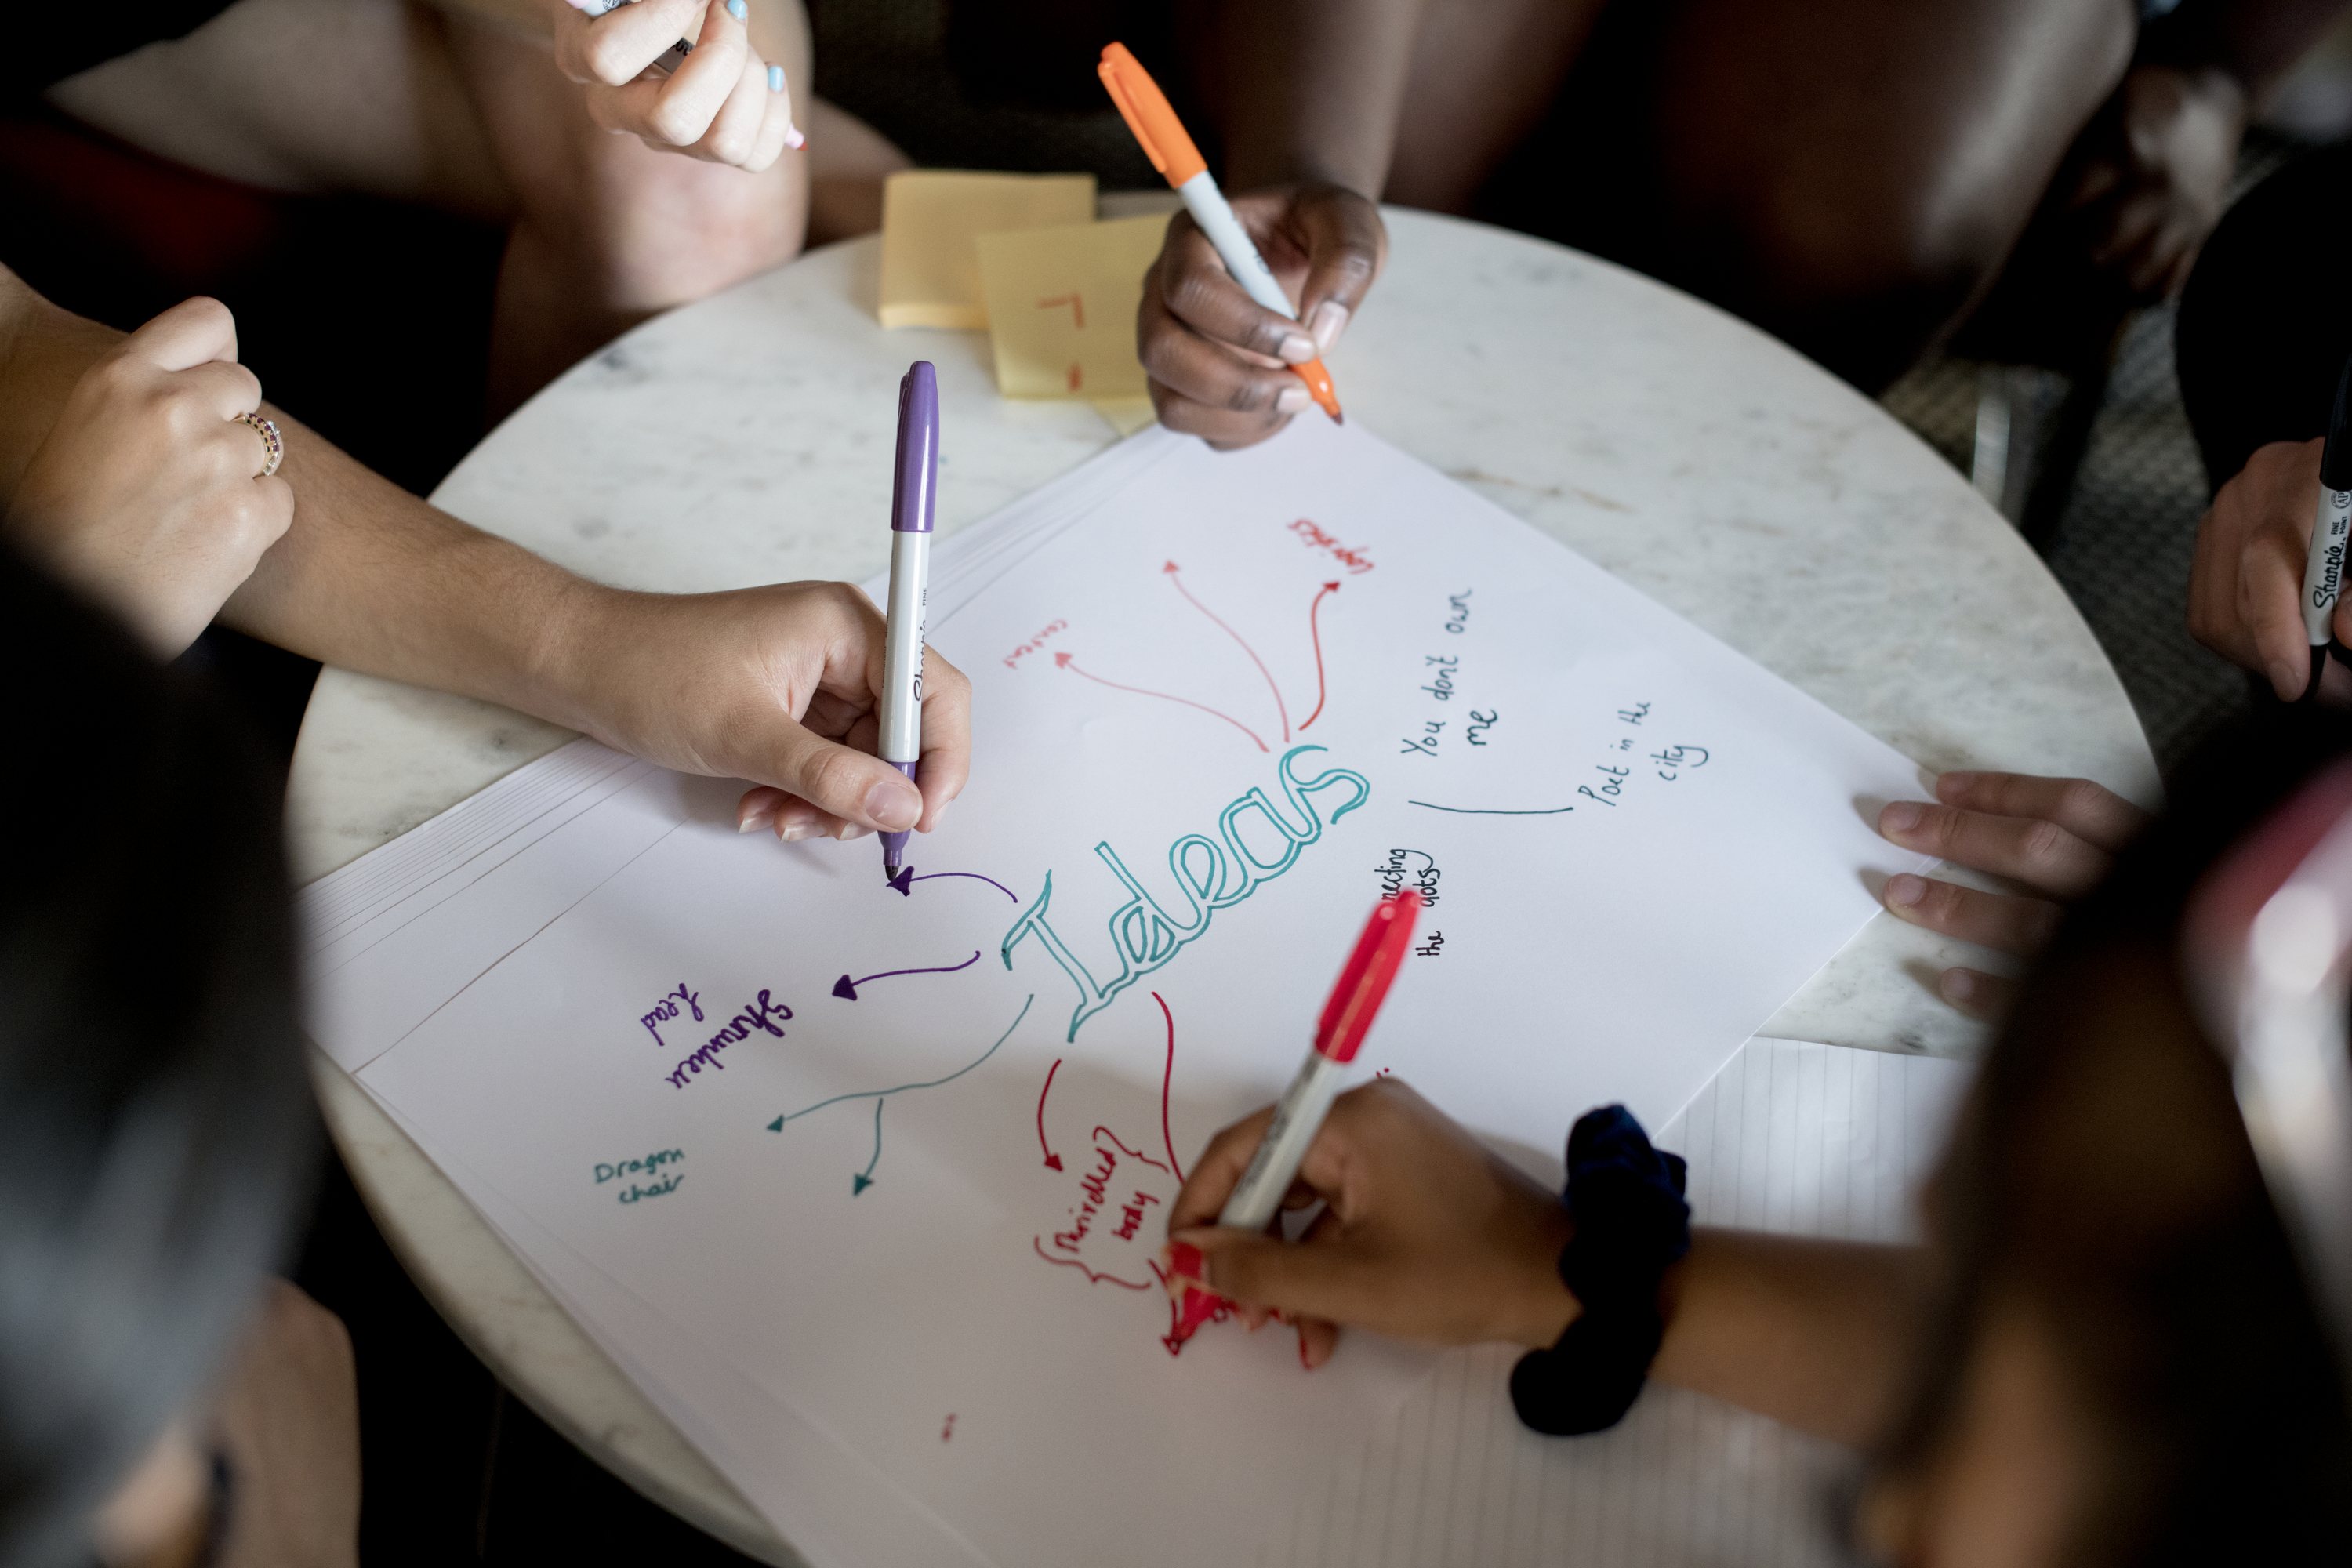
456,1470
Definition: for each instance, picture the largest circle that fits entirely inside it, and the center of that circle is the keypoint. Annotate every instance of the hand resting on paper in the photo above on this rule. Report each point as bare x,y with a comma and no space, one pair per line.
1216,357
1428,1234
2054,837
724,105
146,491
780,684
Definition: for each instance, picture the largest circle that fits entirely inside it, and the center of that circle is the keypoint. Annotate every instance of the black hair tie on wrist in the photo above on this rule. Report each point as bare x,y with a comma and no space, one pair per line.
1626,1198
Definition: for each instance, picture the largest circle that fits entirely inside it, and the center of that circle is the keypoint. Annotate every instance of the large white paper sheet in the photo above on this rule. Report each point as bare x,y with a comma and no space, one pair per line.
900,1157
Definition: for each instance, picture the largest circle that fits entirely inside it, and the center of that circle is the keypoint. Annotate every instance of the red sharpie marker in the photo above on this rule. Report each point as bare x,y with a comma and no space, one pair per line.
1347,1018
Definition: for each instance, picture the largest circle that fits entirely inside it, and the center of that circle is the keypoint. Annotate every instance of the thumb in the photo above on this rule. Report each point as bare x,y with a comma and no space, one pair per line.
1346,244
853,785
1322,1278
192,333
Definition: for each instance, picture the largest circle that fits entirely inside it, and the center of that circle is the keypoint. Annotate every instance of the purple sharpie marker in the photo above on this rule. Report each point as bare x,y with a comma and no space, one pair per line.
911,498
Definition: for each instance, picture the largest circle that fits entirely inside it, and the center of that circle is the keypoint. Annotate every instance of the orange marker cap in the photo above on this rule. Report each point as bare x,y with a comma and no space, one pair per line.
1146,111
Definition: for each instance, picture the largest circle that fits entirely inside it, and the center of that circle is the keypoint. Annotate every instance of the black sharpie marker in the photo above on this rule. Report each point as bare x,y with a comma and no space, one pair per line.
2331,531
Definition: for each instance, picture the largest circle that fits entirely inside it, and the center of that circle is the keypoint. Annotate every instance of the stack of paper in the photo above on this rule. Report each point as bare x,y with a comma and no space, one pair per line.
863,1181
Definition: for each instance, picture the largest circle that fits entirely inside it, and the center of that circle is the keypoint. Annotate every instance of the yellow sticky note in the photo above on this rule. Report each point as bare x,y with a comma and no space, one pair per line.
930,217
1061,307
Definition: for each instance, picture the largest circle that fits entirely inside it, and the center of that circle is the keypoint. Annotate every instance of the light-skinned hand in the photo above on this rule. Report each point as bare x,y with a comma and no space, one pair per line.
781,685
2245,590
2158,177
724,104
1428,1234
146,492
1216,357
2055,837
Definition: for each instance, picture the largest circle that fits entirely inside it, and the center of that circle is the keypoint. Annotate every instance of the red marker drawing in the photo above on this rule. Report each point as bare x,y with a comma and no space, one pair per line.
1052,1160
1362,985
1316,631
1062,660
1174,576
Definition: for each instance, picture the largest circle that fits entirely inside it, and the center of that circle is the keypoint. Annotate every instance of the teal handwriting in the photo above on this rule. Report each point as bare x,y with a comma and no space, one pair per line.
1210,874
656,1164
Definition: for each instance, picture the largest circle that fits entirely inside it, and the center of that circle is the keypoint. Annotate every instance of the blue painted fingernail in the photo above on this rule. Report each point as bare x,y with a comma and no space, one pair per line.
775,79
735,9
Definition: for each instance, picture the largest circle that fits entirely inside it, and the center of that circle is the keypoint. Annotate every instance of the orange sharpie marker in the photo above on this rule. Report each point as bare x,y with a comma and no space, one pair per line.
1146,111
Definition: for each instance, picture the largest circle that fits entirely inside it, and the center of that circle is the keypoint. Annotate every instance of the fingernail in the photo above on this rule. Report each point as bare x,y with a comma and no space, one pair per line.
888,804
775,79
1330,318
735,9
792,137
1905,889
752,822
1958,986
1292,400
1185,1262
1957,780
1900,818
793,832
2286,682
850,830
1297,348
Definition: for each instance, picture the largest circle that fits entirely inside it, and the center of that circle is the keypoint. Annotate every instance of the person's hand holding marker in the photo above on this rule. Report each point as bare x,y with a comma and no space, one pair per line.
2245,590
2056,838
1427,1235
1244,297
721,102
780,685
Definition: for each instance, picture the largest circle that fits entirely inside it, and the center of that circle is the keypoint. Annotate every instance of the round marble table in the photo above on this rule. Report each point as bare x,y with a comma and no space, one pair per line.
747,438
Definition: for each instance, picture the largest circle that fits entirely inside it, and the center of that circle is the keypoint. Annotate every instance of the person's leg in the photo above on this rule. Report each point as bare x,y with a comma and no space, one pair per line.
607,231
1852,176
1848,176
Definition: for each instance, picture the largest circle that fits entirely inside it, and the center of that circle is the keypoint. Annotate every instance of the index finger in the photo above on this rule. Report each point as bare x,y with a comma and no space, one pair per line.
1346,244
192,333
2086,809
1217,1172
617,47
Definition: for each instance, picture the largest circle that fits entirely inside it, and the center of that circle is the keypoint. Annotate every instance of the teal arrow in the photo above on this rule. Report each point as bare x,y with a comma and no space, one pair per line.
865,1178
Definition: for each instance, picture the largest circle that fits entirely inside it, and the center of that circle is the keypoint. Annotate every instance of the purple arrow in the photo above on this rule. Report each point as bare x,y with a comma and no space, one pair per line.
847,989
906,880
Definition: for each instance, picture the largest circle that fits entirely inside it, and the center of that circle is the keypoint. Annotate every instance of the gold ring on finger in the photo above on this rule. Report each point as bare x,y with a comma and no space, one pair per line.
268,430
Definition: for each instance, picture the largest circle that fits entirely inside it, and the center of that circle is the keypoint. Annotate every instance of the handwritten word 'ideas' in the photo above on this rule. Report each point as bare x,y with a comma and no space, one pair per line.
761,1015
1210,874
656,1164
1012,661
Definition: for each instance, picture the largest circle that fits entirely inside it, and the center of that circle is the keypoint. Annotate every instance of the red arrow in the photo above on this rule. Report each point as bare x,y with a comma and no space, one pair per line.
1173,569
1316,631
1052,1160
1168,1081
1062,660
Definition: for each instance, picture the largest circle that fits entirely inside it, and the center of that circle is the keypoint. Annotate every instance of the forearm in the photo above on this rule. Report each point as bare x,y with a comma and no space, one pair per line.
1310,89
371,579
1813,1333
368,578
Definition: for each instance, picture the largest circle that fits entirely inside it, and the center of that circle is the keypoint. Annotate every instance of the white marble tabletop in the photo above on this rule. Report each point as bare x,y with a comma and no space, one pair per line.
734,441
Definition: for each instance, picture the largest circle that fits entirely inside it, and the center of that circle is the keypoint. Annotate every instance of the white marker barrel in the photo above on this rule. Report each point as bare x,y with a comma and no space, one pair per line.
1296,1120
2323,572
902,722
1234,246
